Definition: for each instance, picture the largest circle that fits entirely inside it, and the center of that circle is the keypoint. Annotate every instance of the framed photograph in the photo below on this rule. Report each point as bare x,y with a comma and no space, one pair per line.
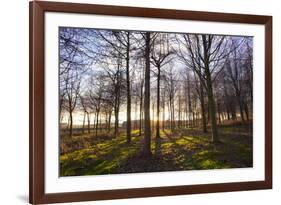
140,102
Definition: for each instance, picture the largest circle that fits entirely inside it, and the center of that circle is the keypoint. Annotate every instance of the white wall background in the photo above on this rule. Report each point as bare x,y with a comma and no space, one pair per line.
14,100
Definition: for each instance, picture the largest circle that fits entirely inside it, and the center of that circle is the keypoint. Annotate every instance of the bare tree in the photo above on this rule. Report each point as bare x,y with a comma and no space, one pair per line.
206,55
159,57
147,126
85,104
72,95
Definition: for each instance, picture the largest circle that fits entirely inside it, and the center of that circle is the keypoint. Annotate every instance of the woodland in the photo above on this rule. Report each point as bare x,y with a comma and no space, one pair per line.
144,101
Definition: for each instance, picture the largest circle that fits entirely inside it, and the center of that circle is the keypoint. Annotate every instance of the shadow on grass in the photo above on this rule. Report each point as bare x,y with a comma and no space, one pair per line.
183,149
102,158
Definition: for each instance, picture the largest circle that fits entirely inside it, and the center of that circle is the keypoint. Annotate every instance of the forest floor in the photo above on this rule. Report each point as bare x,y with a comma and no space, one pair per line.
184,149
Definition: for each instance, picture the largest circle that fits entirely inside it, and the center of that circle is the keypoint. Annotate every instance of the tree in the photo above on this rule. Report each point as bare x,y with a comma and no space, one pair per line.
73,63
139,85
170,80
201,94
147,128
234,72
72,95
85,103
96,96
159,57
120,41
206,55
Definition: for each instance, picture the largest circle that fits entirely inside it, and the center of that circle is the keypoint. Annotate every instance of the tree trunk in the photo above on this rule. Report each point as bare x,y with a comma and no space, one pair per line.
203,115
109,121
116,123
147,129
158,105
83,126
240,102
170,113
97,122
212,109
219,112
70,123
88,118
128,89
140,122
179,110
173,114
189,103
163,108
152,121
209,87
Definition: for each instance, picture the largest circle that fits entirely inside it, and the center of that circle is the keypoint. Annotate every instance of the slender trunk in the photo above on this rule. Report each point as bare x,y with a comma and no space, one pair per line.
140,122
189,102
219,112
202,100
83,126
158,105
94,122
70,123
163,113
97,122
179,110
116,126
116,123
192,119
152,121
147,128
109,121
128,89
173,114
88,118
170,113
141,100
136,115
240,107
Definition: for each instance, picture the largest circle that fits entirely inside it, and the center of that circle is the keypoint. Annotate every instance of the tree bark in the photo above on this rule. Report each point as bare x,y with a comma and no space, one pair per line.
202,100
97,122
179,109
109,121
116,123
128,89
158,105
147,128
140,122
88,118
70,124
83,126
212,109
163,110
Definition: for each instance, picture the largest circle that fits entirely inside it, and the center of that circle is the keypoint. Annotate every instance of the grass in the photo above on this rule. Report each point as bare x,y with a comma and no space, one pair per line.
185,149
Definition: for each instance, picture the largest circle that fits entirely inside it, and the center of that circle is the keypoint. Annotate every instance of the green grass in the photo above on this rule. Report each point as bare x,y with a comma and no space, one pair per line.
184,149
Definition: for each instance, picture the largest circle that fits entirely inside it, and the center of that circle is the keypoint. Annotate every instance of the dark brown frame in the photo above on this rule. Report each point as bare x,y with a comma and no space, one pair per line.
36,106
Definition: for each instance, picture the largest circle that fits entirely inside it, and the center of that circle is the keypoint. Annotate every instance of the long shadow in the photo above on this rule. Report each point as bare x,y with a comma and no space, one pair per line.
181,150
197,152
102,158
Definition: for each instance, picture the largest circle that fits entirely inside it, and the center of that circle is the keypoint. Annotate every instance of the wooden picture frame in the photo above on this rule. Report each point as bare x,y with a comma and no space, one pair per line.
37,10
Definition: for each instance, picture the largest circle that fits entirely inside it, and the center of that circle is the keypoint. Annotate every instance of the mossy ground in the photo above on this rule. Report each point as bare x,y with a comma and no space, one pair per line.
184,149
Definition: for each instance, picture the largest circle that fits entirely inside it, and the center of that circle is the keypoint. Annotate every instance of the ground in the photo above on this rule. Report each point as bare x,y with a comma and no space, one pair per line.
184,149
